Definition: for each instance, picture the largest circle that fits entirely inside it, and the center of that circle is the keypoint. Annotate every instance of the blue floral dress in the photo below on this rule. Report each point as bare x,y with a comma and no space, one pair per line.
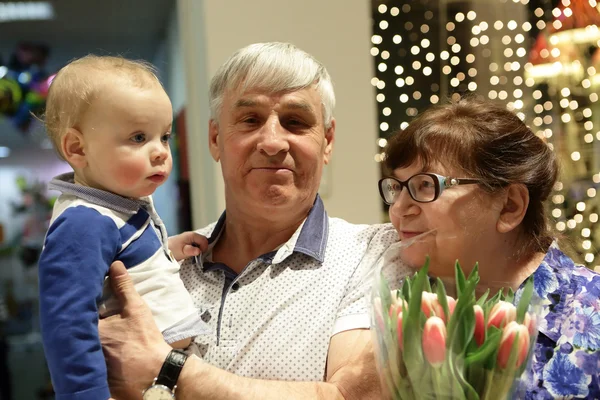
566,361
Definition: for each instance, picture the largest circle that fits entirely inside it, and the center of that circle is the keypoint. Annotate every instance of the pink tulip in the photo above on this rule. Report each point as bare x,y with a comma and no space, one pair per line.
432,307
428,303
509,334
451,304
502,313
400,332
434,341
479,325
530,323
396,306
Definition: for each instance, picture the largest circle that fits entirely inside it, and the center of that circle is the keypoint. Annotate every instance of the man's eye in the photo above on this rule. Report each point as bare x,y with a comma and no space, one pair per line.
250,120
296,123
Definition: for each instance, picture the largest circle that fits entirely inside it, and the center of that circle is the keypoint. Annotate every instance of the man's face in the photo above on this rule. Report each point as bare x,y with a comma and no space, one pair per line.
272,148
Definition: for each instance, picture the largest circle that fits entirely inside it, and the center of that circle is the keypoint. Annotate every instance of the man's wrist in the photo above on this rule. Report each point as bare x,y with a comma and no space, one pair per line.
160,355
192,371
166,381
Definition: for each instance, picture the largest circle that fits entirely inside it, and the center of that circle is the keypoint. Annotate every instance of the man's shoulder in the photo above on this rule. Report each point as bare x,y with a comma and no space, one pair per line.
341,230
207,230
372,234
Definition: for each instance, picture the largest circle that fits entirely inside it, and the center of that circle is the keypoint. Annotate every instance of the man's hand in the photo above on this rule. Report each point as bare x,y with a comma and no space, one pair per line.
187,244
133,346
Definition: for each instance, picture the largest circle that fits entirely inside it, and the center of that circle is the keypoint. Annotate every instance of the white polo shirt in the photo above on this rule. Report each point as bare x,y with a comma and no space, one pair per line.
275,319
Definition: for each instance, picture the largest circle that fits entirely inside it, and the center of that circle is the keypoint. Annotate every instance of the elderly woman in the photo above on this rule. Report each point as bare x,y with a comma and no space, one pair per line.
477,176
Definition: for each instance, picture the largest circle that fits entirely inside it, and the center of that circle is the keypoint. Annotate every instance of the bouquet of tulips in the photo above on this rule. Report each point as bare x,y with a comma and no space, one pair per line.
433,346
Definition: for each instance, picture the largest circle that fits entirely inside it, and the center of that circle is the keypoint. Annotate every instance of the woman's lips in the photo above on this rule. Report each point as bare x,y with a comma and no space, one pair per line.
408,234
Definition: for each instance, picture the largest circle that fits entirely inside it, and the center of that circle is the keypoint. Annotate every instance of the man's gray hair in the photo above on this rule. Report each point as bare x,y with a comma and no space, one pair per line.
272,67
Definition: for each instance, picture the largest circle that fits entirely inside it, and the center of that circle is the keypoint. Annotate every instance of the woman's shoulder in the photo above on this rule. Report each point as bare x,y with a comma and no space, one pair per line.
570,296
569,341
566,271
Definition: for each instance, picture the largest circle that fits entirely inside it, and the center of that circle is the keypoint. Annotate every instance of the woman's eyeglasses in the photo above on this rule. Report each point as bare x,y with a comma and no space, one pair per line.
423,188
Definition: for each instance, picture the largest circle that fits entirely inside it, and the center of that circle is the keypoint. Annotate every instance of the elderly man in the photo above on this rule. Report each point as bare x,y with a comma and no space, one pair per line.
282,285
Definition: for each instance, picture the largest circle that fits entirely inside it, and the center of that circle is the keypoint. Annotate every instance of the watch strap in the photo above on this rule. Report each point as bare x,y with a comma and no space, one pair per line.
171,368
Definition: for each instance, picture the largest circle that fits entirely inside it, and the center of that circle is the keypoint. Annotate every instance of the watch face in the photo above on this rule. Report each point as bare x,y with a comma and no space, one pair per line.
158,392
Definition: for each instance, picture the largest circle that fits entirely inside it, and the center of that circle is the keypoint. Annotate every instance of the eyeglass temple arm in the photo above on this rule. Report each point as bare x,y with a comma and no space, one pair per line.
460,181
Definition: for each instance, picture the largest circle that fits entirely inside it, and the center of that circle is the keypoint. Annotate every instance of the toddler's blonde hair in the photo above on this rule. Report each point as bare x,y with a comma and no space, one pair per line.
77,84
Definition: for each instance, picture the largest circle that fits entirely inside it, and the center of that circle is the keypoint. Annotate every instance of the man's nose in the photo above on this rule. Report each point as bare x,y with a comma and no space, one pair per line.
273,137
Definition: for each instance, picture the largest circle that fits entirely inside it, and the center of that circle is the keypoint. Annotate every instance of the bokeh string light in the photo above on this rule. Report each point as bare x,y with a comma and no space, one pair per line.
539,57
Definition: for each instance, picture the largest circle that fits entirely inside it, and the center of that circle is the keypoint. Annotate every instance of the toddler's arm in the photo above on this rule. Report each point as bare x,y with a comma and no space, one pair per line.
79,247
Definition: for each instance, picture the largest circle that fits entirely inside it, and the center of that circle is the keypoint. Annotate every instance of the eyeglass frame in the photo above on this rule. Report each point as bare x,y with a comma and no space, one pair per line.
439,182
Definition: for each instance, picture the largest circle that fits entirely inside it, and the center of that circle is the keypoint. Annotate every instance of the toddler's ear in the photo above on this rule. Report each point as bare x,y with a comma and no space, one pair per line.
72,147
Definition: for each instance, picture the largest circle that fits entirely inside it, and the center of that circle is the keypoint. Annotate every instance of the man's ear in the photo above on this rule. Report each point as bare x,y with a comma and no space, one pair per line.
72,146
213,142
516,201
329,139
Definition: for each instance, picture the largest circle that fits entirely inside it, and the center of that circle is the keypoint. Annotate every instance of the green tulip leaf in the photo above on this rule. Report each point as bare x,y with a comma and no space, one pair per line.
474,275
487,349
483,298
460,279
406,289
441,295
412,323
509,296
525,300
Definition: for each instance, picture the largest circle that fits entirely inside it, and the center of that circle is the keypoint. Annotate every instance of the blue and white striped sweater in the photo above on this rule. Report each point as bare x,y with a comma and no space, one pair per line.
89,230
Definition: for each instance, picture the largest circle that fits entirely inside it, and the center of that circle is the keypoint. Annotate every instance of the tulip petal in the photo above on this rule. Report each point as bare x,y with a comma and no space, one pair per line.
513,331
502,313
400,331
434,341
479,325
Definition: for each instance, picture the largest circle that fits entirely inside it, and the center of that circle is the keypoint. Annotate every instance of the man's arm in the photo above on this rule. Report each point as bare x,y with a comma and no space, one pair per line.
350,375
135,351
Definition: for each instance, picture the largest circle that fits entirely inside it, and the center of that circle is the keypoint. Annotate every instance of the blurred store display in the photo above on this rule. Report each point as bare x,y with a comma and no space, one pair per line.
24,83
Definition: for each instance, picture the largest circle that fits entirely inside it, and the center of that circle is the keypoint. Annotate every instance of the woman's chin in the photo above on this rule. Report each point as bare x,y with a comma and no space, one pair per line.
413,259
416,261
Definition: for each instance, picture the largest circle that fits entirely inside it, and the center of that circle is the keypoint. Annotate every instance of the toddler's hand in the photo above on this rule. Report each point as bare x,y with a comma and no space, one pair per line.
187,244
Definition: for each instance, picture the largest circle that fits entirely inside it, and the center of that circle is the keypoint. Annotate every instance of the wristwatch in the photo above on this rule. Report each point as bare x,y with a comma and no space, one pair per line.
164,385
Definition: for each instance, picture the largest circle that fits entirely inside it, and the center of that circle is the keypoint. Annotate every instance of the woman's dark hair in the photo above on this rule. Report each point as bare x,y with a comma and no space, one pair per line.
484,140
